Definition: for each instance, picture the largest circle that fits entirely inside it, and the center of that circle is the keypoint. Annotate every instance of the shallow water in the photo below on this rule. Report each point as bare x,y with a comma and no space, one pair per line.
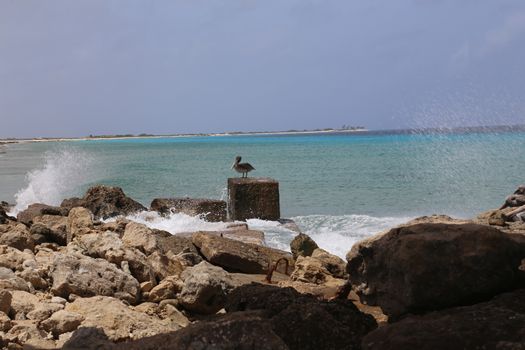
339,188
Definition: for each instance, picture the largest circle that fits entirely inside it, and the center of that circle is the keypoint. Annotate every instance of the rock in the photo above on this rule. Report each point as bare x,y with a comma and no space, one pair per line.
118,321
514,200
496,324
209,209
28,334
13,258
43,311
253,198
9,281
246,236
4,218
85,276
108,246
5,323
5,301
302,245
39,209
237,256
22,303
58,300
205,288
243,331
79,222
62,322
303,321
327,290
16,235
166,289
171,313
181,247
88,338
105,202
53,227
401,272
310,270
141,237
163,266
289,224
334,264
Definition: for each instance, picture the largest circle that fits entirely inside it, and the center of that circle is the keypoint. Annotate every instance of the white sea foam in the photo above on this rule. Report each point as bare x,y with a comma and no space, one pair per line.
63,172
335,234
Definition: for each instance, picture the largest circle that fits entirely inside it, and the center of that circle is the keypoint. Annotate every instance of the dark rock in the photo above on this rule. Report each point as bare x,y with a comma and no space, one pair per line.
181,246
496,324
39,209
253,198
242,331
237,256
88,338
105,202
514,200
4,218
432,266
209,209
302,245
301,320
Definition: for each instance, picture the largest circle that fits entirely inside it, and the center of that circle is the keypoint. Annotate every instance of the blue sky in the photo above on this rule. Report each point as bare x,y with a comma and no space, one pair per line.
74,68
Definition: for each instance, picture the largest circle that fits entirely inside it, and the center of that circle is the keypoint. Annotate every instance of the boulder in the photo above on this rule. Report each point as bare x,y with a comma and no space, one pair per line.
5,324
163,266
39,209
4,218
310,270
430,266
9,281
109,246
302,245
13,258
182,247
496,324
28,336
246,236
85,276
334,264
166,289
43,311
79,222
205,288
105,202
243,331
238,256
253,198
119,321
53,227
62,322
22,303
141,237
16,235
88,338
302,321
209,209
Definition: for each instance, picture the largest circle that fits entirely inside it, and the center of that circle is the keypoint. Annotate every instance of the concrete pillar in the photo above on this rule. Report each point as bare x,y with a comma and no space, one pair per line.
253,198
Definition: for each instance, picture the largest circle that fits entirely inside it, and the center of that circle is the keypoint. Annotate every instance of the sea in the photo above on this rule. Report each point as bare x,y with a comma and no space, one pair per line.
338,187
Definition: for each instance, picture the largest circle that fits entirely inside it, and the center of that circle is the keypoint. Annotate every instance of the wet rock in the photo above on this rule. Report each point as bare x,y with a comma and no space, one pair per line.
105,202
16,235
238,256
496,324
79,222
85,276
401,272
119,322
209,209
205,288
253,198
4,218
62,322
39,209
243,331
53,227
302,245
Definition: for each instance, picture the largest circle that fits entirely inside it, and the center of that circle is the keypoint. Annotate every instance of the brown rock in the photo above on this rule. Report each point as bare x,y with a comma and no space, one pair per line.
253,198
16,235
166,289
39,209
209,209
22,303
182,247
163,266
79,222
237,256
5,323
334,264
28,334
310,270
53,227
13,258
496,324
88,338
141,237
246,236
401,272
42,311
62,322
105,202
5,301
85,276
118,321
9,281
302,245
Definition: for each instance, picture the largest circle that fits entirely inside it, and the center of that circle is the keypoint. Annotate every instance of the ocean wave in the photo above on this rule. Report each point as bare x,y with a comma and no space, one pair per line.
64,171
176,223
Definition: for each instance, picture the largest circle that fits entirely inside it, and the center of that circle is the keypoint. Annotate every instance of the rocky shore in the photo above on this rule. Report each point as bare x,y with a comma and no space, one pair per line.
71,279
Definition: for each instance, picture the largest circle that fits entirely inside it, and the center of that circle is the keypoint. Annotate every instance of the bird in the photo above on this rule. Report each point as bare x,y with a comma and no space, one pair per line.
243,168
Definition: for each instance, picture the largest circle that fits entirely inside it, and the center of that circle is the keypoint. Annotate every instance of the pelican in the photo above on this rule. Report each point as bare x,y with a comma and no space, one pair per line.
243,168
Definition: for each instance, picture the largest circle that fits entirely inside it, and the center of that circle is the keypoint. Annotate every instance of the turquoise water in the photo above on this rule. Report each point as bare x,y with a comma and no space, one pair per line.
330,183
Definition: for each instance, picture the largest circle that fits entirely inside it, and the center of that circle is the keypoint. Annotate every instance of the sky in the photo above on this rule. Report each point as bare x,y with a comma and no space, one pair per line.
75,68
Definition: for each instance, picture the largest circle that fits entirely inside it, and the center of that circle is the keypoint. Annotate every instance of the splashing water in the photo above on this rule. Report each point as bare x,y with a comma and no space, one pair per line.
176,223
63,172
